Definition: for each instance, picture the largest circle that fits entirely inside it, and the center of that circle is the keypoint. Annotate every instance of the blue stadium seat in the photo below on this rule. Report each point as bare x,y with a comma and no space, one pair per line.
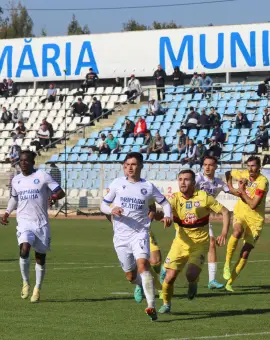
139,141
251,148
113,157
237,157
203,133
122,157
237,96
70,184
231,140
239,148
194,104
183,104
83,157
159,119
81,142
234,132
83,175
213,103
54,158
73,174
179,89
76,149
163,157
73,158
63,157
125,149
181,111
251,117
230,110
168,98
178,118
242,140
161,176
226,124
152,157
169,140
226,157
178,97
263,102
252,133
227,96
243,102
173,157
192,133
242,109
246,95
102,157
156,126
90,142
94,134
203,104
197,96
135,148
216,97
132,112
221,110
68,149
173,105
188,97
129,141
222,103
169,90
93,157
149,119
244,132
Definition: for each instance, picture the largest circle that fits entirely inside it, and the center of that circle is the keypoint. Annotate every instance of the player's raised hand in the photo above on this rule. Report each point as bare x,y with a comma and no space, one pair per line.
167,222
4,219
117,211
221,240
242,185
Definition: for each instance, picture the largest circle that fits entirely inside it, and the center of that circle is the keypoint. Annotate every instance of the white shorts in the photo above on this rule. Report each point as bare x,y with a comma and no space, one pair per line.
39,239
211,231
128,251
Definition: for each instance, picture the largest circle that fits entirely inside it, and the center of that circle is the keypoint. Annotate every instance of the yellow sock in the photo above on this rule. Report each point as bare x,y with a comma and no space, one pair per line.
232,244
237,269
167,290
155,278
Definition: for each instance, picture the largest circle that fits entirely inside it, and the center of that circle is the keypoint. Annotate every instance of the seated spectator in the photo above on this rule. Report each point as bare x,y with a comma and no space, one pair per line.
96,109
14,154
182,143
178,77
158,145
4,88
12,89
112,143
129,128
262,88
134,87
147,143
199,153
44,136
205,83
192,119
16,116
155,108
49,127
79,108
218,134
51,94
194,83
140,128
21,129
203,121
101,145
5,116
262,138
214,148
90,80
266,116
214,117
242,121
190,152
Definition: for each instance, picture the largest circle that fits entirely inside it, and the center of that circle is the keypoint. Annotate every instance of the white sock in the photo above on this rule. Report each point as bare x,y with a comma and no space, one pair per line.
212,270
40,273
148,288
25,267
138,280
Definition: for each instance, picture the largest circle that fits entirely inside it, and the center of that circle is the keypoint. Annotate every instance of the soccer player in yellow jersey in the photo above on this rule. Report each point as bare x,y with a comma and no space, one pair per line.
249,214
191,209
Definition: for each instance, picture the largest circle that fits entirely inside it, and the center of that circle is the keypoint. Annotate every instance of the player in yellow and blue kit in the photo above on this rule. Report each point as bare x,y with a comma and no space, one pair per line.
249,214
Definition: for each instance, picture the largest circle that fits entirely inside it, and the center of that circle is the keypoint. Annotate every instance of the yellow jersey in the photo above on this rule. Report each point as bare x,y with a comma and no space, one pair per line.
191,216
259,187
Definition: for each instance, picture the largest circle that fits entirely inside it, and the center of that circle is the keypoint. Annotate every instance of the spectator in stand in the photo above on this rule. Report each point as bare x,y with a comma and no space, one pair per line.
204,120
140,128
5,116
4,88
112,143
155,108
79,108
96,109
43,135
134,88
20,130
147,143
14,154
194,83
242,121
49,127
160,77
129,128
190,152
200,153
262,138
12,89
51,94
266,116
214,148
16,116
182,143
262,88
192,119
205,83
158,145
214,117
101,145
178,77
218,135
90,80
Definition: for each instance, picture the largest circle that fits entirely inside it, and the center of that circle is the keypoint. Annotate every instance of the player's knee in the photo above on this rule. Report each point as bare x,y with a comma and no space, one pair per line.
171,276
155,258
245,252
24,251
40,259
237,231
212,243
192,273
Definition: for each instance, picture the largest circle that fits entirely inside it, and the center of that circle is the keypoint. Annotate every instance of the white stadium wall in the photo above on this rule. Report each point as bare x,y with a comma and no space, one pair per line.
218,49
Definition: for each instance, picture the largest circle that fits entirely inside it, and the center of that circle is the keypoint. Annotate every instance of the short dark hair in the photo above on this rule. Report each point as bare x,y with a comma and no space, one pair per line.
191,108
256,159
29,154
94,98
137,155
188,171
213,158
79,99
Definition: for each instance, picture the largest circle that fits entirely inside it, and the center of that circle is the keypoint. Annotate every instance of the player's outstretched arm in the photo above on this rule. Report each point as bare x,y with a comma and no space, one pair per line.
221,240
56,196
12,205
233,191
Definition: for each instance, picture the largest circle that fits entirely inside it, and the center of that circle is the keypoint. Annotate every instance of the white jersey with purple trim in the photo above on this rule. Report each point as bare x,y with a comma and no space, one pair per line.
211,187
134,199
32,193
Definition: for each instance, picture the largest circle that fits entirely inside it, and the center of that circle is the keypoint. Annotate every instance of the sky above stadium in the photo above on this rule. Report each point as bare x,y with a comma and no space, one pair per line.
56,22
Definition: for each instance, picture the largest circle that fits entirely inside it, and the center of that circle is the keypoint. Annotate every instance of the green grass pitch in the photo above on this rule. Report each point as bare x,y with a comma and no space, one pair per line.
85,294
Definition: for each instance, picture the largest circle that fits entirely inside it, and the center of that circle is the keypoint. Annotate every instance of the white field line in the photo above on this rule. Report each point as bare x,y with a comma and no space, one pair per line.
225,336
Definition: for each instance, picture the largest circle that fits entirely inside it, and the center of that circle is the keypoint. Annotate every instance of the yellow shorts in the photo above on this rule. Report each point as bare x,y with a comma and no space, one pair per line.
153,242
252,228
182,253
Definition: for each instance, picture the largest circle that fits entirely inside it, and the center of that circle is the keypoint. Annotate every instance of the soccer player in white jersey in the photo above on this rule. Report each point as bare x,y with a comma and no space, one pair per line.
212,185
130,197
31,192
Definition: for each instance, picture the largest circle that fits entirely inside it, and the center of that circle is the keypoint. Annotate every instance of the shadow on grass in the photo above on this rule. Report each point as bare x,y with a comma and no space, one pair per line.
9,260
110,298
